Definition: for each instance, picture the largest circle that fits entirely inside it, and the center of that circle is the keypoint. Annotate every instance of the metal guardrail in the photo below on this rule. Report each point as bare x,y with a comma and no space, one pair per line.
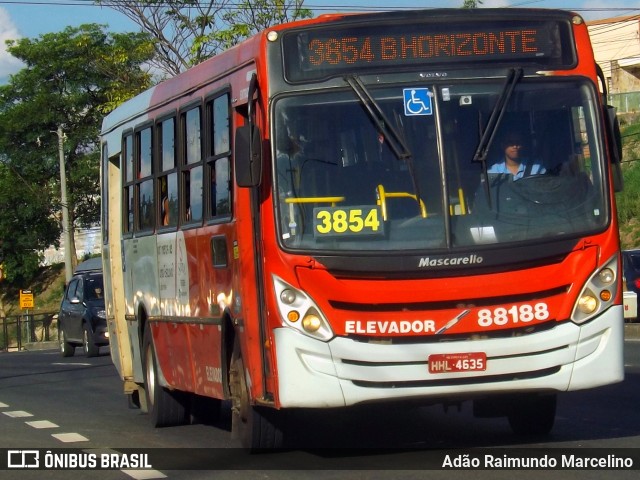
628,102
28,328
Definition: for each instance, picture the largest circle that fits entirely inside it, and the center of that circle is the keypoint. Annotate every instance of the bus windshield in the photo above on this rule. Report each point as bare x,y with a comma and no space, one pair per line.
392,168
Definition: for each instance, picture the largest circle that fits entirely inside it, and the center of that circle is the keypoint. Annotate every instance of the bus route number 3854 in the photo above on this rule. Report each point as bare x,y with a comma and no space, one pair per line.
336,221
514,314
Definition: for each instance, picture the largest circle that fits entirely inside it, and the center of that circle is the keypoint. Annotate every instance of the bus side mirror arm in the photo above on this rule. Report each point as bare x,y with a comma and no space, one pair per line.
613,134
248,146
615,149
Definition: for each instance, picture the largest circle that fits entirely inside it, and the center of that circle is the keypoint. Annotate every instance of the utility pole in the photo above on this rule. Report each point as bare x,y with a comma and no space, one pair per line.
66,227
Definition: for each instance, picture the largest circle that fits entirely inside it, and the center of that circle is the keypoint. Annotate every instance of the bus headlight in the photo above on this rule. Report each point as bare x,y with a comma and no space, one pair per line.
288,296
587,303
298,311
311,323
598,293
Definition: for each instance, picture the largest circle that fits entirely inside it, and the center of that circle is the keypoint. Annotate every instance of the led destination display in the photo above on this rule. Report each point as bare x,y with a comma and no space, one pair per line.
316,54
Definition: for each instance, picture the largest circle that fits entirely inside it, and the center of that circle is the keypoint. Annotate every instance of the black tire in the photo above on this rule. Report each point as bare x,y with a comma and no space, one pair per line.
66,349
533,415
253,428
166,408
205,410
90,348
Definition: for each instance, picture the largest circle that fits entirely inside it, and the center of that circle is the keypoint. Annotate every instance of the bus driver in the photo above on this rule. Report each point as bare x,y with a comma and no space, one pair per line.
513,161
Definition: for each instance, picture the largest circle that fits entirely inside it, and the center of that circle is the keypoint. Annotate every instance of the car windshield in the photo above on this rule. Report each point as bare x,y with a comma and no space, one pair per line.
93,288
397,168
634,260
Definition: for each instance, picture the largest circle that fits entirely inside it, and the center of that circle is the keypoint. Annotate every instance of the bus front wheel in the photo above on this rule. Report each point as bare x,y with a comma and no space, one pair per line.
254,428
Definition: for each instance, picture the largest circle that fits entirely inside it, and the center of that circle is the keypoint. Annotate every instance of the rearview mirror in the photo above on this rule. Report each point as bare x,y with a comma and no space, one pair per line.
615,149
248,159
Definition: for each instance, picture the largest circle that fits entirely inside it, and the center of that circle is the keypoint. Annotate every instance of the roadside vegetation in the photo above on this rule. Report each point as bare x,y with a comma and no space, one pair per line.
629,199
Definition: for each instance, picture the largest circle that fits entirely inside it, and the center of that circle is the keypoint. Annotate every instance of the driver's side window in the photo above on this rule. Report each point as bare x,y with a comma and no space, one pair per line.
71,291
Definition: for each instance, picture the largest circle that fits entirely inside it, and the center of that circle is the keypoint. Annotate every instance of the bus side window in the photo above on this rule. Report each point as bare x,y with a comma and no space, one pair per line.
218,171
169,200
145,186
192,194
220,187
168,179
127,180
192,169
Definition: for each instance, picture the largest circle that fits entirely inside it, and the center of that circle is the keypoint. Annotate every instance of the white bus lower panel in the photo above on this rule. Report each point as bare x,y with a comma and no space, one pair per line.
344,372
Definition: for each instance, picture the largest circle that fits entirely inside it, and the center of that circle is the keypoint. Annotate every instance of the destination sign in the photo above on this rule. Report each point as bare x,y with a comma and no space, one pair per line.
314,54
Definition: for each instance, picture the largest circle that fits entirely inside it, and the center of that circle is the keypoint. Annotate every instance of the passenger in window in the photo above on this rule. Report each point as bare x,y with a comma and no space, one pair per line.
514,161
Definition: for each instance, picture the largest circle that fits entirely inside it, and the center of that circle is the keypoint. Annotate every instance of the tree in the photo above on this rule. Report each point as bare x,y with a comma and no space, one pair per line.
70,80
253,16
471,3
188,32
26,224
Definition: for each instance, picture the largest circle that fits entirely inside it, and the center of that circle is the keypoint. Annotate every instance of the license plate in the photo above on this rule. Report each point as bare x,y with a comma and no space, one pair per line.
457,362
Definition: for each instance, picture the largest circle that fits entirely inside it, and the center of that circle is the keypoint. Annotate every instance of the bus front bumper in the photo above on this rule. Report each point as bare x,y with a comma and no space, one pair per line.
343,371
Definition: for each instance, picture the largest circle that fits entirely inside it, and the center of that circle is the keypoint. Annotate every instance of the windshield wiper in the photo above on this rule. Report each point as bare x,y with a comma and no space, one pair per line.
395,140
385,127
499,109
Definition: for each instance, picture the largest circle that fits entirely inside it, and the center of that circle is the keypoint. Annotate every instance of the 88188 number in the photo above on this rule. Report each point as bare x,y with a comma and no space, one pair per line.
515,314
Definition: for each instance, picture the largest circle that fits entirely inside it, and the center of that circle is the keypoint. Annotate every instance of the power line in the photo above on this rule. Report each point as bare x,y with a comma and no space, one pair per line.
311,6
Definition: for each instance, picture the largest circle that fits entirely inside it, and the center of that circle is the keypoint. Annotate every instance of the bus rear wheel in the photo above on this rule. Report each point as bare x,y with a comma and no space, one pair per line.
254,428
166,407
533,415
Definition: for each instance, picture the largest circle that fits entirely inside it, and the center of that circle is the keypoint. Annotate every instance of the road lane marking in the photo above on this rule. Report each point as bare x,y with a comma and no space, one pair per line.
42,424
71,364
147,474
70,437
18,414
150,474
144,474
76,437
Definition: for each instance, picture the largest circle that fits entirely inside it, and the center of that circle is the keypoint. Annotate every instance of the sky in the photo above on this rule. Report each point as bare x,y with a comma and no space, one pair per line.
32,18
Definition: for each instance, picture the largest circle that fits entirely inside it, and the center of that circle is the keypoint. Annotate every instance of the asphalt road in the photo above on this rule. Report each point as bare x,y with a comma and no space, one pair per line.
51,403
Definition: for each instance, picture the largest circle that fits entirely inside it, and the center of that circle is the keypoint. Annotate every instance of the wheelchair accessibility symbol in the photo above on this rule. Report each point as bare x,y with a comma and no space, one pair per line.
417,101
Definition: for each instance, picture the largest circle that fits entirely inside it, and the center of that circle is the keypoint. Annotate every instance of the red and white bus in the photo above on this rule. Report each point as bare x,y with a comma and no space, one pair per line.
323,216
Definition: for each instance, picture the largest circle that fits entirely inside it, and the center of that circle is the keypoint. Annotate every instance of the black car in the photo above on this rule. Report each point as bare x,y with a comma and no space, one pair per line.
82,319
631,268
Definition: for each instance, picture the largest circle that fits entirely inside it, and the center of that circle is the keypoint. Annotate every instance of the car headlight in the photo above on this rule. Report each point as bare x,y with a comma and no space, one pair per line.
598,293
100,313
299,311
